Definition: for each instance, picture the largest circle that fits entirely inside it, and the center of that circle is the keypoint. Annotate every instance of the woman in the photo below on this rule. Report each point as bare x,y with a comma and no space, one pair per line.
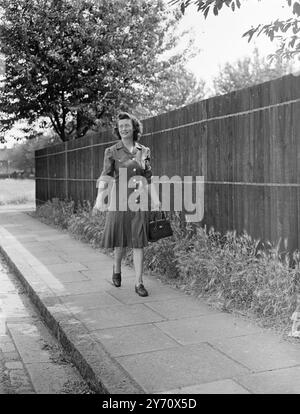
124,227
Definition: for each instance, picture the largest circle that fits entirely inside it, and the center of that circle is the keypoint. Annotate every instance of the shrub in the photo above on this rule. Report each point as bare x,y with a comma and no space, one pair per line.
56,212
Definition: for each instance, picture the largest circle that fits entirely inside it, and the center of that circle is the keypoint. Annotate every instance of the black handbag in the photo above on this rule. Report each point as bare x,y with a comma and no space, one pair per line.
159,228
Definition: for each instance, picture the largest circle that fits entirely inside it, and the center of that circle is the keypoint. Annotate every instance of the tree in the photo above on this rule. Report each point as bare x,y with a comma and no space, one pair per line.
286,31
22,155
77,61
247,72
174,88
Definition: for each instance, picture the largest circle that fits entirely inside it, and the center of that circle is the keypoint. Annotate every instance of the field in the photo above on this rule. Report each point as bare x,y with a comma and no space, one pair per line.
17,191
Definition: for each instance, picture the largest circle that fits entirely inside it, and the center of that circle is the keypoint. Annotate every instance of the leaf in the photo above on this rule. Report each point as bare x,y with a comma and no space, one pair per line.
296,8
250,34
219,4
292,42
296,29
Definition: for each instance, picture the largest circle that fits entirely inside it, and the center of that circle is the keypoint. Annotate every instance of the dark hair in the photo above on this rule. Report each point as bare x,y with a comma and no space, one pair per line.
137,125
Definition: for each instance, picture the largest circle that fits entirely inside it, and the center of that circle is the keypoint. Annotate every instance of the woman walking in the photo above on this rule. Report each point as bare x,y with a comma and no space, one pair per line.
126,227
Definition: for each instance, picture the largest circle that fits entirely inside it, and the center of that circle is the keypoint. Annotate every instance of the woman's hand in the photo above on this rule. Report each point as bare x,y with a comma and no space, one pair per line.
99,205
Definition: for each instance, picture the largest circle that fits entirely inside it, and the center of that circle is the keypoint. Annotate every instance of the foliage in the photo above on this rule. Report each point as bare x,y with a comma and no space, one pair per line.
287,31
247,72
21,155
56,212
76,62
75,218
235,273
176,87
206,5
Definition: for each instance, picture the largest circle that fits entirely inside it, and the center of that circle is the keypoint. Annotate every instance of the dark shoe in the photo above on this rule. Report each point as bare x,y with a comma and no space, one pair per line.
116,279
140,290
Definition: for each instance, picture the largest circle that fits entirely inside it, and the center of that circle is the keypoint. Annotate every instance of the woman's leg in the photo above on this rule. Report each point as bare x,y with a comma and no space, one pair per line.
118,255
138,258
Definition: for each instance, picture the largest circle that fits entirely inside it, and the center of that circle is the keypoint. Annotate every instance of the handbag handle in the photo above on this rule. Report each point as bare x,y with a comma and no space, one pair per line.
156,218
156,215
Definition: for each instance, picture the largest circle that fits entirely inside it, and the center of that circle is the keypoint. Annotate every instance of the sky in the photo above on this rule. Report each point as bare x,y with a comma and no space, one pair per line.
220,40
220,37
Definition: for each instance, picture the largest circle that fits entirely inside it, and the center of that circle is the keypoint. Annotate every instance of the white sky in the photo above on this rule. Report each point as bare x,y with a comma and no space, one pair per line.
220,37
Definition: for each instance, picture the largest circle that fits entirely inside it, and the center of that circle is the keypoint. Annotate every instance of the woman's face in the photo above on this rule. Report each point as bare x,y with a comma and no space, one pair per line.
125,128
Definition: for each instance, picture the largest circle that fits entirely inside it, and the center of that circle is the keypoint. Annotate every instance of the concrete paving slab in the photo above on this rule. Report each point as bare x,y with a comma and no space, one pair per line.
12,301
88,301
53,237
2,324
27,339
97,276
20,231
14,365
97,265
13,307
77,288
19,380
282,381
36,246
182,307
71,277
46,278
49,378
50,259
86,256
133,339
72,248
227,386
179,367
118,315
12,356
6,287
27,238
206,328
7,347
41,289
4,338
7,281
59,268
94,361
60,311
39,232
3,222
260,352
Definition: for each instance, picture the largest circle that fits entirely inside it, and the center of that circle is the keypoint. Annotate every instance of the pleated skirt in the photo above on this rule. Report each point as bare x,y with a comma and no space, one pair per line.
125,229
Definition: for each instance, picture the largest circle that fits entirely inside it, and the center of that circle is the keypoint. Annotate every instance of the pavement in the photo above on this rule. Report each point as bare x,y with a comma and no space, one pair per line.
31,360
121,343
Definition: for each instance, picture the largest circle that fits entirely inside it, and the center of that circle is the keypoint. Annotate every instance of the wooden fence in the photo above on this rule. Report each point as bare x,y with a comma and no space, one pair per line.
246,144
